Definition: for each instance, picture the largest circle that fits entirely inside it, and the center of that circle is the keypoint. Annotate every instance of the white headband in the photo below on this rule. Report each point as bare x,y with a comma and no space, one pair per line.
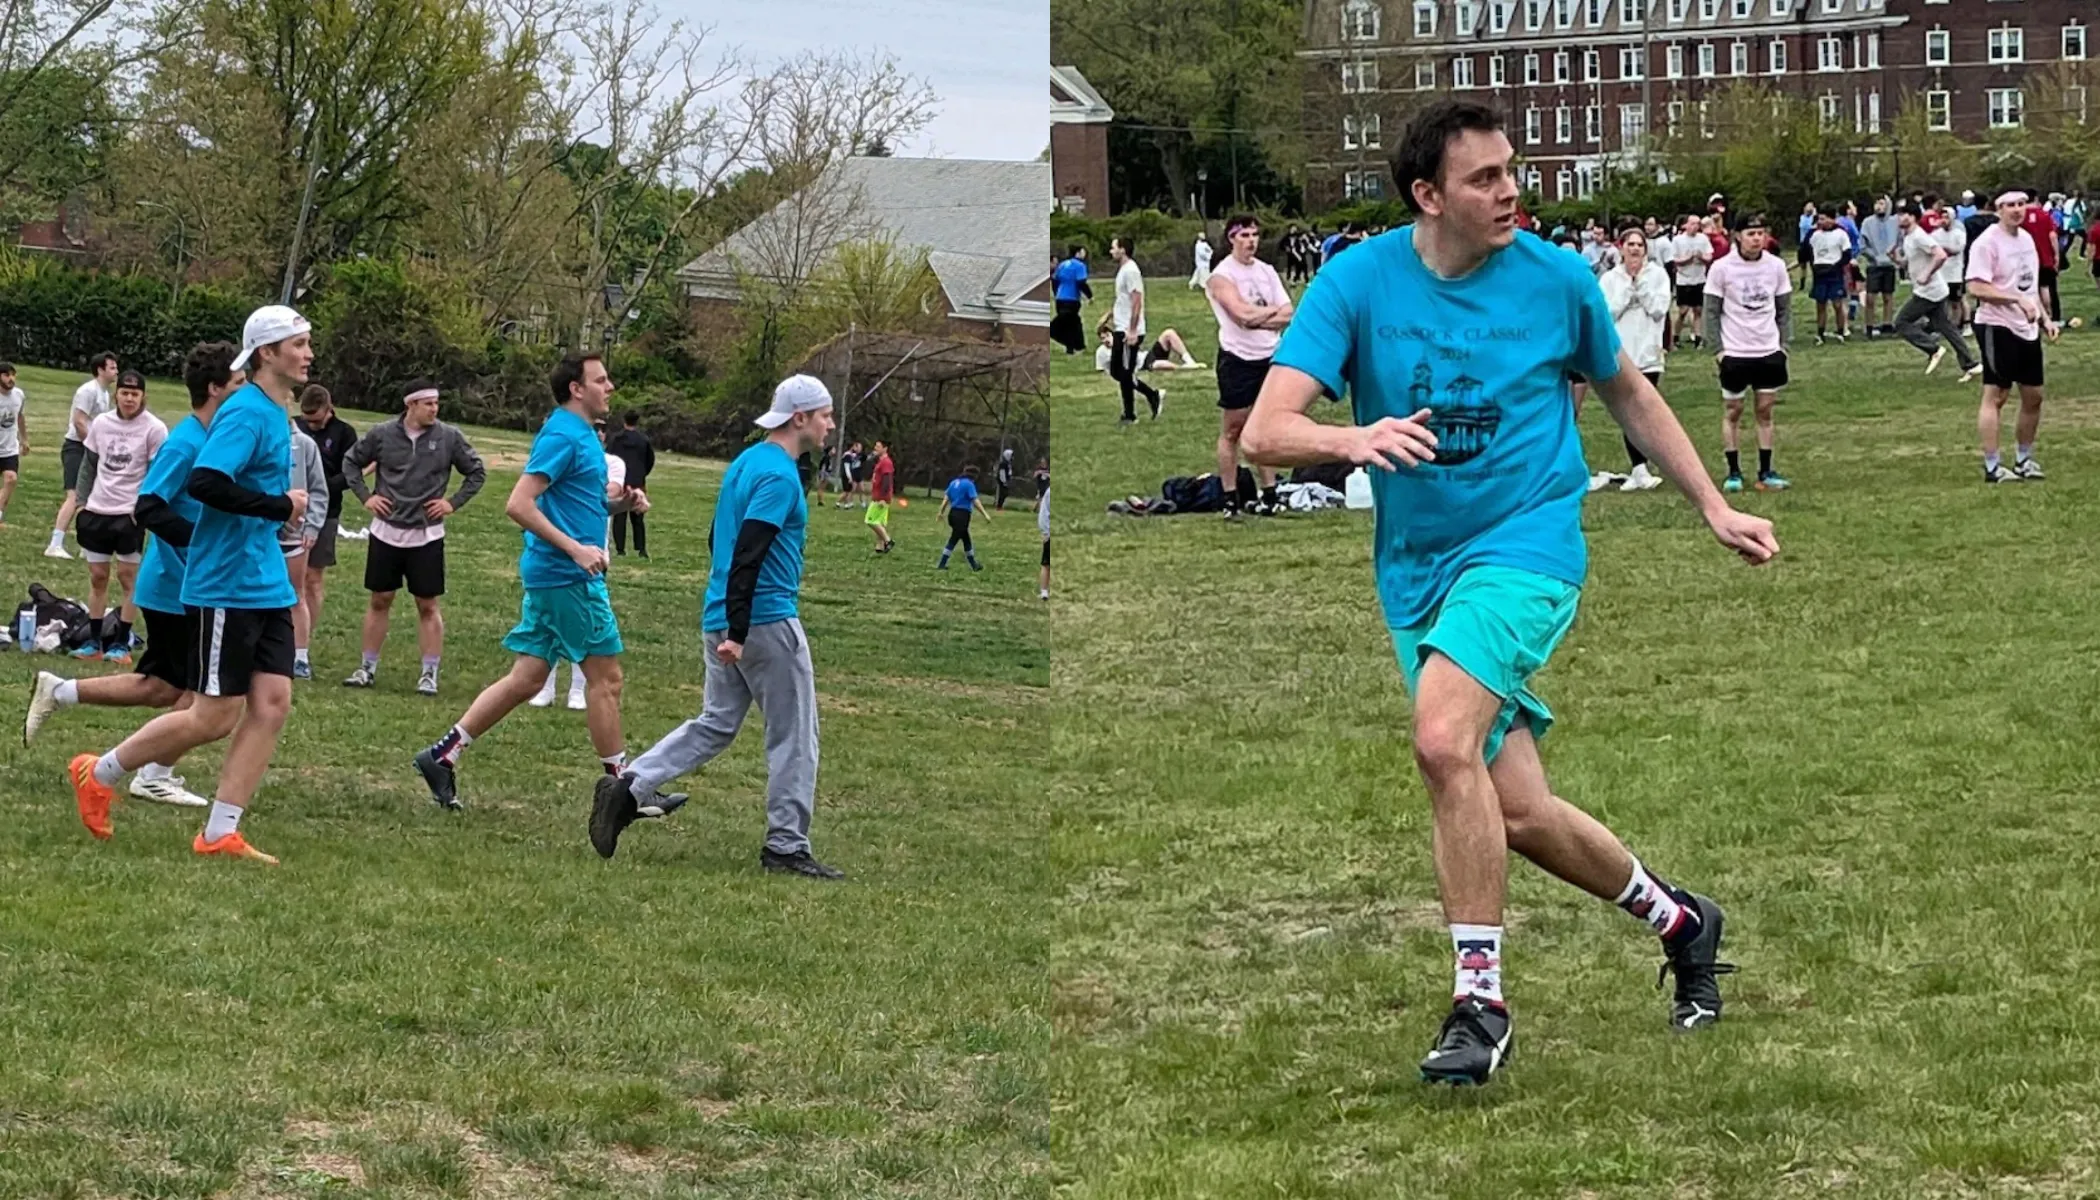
425,394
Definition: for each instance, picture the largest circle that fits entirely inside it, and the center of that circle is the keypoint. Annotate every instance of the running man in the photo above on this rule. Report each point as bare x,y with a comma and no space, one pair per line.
756,650
1829,248
334,436
90,400
119,446
168,512
415,454
1253,309
1923,320
1749,300
14,435
236,589
1479,552
564,502
1127,333
882,488
957,503
2004,280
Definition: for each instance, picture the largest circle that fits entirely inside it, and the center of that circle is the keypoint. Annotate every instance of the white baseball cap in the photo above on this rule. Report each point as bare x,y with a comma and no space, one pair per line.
796,394
267,326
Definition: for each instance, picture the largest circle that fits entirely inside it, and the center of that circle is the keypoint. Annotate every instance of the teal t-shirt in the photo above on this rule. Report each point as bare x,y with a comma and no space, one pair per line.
234,561
162,567
565,452
761,485
1489,355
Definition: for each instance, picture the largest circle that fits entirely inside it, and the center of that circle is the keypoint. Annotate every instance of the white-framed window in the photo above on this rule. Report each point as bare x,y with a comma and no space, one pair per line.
1364,185
1596,9
1677,10
1496,77
1425,18
2074,41
1775,56
1939,110
1706,123
1531,69
1632,13
1709,9
1868,51
1592,65
1534,125
1833,7
1675,109
1563,14
1564,180
1359,22
1739,58
1633,124
1936,48
2006,44
1498,16
1467,16
1830,110
1563,125
2074,103
1630,64
1425,75
1560,66
1741,9
2005,107
1462,71
1360,76
1534,15
1585,180
1673,60
1706,60
1782,8
1830,53
1874,111
1360,132
1938,1
1593,122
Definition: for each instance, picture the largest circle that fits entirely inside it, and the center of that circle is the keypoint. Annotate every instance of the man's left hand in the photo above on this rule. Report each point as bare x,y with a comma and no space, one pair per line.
437,510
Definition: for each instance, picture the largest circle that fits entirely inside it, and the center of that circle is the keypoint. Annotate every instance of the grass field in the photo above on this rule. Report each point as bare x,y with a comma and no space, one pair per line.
422,1003
1878,753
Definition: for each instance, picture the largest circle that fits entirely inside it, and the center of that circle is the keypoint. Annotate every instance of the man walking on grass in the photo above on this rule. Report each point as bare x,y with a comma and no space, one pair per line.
236,586
1127,333
1462,406
756,651
882,488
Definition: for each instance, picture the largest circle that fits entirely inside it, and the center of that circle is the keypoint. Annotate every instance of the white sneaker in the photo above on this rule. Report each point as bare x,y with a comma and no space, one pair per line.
56,550
1641,480
545,696
1602,480
43,701
167,789
1938,356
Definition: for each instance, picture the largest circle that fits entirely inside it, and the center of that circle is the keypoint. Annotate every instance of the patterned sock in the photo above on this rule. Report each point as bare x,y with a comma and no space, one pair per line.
614,763
447,749
1667,910
1478,950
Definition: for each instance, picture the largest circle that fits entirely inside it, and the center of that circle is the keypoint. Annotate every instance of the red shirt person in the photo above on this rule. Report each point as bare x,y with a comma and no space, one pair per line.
882,485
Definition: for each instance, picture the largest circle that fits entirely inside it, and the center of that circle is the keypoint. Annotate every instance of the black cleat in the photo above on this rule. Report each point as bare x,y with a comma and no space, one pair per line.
1474,1043
444,787
798,863
612,810
1698,1002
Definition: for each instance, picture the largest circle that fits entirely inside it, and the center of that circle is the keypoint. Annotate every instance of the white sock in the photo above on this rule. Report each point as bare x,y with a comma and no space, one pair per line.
155,771
576,679
58,537
299,654
614,763
67,694
1477,950
1650,901
107,772
225,819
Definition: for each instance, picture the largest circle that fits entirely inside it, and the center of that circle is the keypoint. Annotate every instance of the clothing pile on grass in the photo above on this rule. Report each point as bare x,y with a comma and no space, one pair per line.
1310,489
50,624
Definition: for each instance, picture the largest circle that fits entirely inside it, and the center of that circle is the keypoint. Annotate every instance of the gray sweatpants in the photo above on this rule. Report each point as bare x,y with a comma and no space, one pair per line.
776,674
1919,320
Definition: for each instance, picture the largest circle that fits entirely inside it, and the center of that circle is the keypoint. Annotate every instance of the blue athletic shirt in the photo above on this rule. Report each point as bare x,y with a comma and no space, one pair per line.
962,493
566,453
761,485
234,561
1489,354
162,568
1069,275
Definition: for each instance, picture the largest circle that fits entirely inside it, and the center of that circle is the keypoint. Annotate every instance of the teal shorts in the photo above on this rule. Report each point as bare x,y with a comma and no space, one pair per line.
1498,625
566,624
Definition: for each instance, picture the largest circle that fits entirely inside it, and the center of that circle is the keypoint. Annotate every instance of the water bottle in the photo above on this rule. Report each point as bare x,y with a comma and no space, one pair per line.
1356,490
25,630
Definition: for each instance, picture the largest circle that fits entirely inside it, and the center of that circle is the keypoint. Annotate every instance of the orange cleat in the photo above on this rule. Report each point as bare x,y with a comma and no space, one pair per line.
90,794
233,845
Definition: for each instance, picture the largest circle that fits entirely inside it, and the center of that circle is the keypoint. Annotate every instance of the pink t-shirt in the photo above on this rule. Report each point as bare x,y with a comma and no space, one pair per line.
2009,261
123,450
1749,293
1258,286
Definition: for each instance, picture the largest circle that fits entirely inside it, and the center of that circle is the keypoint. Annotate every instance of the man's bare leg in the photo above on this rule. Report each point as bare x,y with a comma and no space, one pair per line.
254,739
1987,423
2027,424
1453,714
1561,839
603,681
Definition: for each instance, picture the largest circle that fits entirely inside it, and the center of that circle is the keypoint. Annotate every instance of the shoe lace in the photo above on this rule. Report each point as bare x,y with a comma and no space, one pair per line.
1463,1019
1691,973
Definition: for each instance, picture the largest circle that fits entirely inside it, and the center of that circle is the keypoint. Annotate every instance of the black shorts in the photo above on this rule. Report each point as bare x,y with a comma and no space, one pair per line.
11,463
1239,380
1046,552
70,455
1691,295
1881,281
234,645
1740,375
2009,360
104,537
1806,256
422,568
323,553
171,646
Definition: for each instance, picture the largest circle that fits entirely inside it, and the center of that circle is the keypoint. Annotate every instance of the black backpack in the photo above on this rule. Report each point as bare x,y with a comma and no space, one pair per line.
46,608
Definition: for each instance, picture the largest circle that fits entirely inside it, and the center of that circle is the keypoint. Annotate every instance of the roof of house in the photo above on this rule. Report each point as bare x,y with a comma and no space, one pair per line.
1074,101
983,225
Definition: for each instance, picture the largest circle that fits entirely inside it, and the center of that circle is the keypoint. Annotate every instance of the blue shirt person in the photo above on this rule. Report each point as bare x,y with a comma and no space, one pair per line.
958,502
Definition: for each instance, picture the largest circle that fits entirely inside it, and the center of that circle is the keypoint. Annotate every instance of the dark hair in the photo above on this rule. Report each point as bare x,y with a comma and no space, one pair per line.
569,372
95,363
1072,251
209,365
969,472
132,380
313,398
418,384
7,368
1120,240
1420,154
1241,221
630,418
1755,220
1931,200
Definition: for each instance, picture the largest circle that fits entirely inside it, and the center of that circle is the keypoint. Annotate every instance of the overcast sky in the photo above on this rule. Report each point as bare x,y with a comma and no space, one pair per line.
987,60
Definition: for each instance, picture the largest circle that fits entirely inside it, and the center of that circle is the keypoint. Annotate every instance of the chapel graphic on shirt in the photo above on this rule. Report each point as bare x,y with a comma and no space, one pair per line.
1463,421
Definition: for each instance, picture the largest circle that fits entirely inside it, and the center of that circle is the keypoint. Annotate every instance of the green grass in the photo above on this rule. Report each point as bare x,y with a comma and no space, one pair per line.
427,1004
1878,752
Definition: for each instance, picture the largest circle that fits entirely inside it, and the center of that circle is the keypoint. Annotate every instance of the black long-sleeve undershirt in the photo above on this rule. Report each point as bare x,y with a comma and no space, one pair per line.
159,518
218,490
754,539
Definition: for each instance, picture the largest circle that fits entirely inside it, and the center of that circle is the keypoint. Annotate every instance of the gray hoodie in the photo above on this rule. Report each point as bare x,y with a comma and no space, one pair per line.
1878,236
310,474
414,471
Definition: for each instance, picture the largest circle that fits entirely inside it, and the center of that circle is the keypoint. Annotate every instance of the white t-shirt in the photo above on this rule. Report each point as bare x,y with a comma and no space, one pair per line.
123,450
1129,282
1203,254
1828,246
1954,240
1101,358
94,400
11,423
1692,252
1917,249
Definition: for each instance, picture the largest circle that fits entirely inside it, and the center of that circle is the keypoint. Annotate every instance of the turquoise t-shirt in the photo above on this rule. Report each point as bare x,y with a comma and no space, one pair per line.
162,567
234,561
761,485
1489,355
567,455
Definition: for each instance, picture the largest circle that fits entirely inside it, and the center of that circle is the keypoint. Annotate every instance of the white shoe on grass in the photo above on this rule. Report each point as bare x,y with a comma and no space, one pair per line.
545,696
1641,479
167,789
43,701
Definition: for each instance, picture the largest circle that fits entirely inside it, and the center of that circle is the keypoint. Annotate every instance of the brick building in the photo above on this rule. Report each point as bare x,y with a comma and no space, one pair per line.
1581,82
1079,120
